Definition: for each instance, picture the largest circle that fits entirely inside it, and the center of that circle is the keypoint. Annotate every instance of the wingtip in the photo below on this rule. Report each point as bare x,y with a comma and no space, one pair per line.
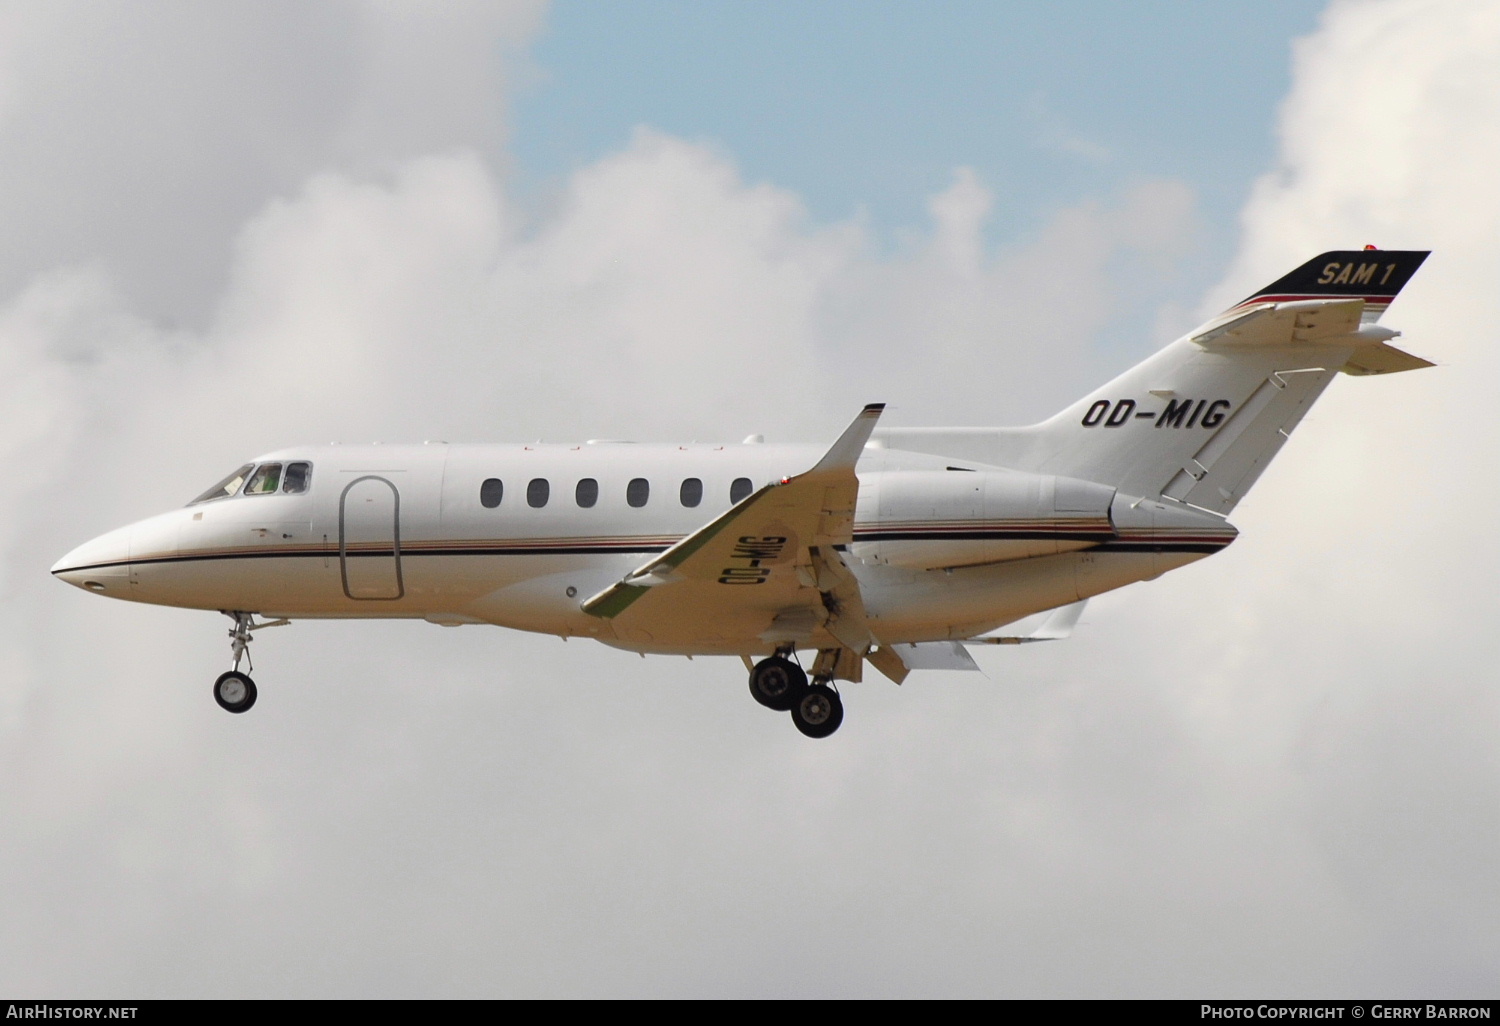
846,451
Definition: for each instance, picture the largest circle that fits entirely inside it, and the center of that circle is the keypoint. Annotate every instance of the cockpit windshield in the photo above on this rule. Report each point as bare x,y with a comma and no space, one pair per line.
226,487
264,480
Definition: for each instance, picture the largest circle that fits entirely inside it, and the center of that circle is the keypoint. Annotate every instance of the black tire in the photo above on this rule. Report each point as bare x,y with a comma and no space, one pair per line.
819,711
777,683
234,692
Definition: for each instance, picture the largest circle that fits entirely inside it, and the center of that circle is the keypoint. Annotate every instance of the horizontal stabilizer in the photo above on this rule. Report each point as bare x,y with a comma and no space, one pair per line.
897,661
935,655
1280,324
1383,359
1050,626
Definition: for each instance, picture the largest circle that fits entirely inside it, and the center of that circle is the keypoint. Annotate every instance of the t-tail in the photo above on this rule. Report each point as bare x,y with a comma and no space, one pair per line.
1199,420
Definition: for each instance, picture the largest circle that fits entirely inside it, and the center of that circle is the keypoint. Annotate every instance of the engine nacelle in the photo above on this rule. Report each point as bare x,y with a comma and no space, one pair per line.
947,518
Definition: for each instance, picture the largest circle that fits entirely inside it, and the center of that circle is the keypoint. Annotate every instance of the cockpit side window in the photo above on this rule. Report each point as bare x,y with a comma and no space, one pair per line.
226,487
298,477
264,480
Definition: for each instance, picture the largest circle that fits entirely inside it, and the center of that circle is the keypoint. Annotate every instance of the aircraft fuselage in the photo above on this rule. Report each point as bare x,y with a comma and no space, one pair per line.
940,551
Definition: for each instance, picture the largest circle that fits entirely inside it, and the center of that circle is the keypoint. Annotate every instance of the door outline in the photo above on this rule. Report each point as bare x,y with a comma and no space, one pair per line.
395,540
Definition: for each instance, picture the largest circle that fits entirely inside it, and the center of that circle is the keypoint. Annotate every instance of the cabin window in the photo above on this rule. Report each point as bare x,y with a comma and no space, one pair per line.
298,477
264,480
638,492
691,492
491,492
587,492
226,487
537,492
741,488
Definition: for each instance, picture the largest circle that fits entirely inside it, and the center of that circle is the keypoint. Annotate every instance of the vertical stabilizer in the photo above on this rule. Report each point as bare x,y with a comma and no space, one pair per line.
1199,420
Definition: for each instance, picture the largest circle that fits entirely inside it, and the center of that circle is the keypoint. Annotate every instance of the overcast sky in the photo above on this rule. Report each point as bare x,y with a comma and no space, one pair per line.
229,228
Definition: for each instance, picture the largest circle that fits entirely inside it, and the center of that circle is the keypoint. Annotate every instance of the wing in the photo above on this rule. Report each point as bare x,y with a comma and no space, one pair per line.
766,572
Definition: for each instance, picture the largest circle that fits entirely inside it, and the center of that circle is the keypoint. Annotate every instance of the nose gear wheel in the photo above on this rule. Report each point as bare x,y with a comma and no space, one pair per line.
234,691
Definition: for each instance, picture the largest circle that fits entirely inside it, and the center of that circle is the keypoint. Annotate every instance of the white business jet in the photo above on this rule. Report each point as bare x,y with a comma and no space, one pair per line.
893,548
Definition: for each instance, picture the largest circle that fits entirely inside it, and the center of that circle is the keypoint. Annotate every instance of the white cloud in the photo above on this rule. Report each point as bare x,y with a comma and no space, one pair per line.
1228,782
1353,621
141,135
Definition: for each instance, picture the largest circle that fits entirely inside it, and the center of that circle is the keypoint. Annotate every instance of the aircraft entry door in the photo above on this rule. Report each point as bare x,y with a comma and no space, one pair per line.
370,539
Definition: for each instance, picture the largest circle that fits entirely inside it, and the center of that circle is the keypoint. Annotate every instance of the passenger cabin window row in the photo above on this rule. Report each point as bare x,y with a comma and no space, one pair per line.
266,479
586,492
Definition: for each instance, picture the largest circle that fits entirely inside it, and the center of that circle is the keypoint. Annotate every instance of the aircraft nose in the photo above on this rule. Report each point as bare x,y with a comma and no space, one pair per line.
101,565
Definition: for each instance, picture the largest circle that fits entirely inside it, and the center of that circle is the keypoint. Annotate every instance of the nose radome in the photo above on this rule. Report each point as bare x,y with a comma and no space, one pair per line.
101,565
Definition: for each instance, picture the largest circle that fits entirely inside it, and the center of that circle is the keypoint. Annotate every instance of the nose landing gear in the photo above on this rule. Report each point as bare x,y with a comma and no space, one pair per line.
779,683
235,691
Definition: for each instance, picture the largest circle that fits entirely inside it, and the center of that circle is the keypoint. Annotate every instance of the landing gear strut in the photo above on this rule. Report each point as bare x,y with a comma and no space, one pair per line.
779,683
235,691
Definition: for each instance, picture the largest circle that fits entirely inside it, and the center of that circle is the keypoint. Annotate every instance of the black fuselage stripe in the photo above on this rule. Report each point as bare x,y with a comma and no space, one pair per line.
1018,535
1161,547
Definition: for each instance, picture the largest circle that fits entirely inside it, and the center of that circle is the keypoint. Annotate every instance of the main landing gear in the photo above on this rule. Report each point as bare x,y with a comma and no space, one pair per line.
780,684
235,691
